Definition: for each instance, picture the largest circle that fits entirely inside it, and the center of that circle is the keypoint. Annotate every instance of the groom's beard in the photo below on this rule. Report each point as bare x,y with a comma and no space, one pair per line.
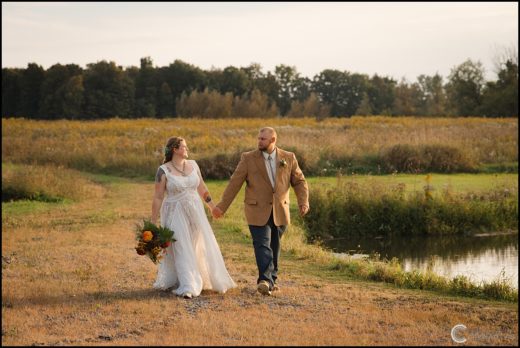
262,148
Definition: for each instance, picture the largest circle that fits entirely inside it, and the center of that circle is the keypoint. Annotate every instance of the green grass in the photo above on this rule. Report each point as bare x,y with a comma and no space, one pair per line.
415,182
24,207
507,167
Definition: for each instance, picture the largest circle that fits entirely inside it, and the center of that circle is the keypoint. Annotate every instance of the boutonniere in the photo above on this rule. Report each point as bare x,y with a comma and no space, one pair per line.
283,163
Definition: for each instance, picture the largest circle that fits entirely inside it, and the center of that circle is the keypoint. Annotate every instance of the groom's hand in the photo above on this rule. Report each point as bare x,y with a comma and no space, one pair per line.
216,212
304,209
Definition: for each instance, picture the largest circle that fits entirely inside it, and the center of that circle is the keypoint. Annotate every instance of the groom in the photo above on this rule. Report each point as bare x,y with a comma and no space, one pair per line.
268,172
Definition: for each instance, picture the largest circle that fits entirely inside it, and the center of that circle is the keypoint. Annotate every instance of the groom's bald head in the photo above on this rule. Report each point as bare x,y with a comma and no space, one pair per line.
267,139
270,131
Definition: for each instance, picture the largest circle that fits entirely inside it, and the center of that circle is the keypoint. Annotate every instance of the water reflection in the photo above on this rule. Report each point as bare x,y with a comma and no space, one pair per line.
480,257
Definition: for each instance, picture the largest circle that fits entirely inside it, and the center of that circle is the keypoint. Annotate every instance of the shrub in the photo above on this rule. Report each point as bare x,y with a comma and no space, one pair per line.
444,159
500,288
402,158
350,209
220,166
425,158
44,183
461,285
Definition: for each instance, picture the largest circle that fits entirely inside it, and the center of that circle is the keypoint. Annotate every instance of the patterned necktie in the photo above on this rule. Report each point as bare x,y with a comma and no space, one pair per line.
270,159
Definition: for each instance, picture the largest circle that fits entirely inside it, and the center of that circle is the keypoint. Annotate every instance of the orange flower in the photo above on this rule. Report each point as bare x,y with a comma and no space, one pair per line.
147,236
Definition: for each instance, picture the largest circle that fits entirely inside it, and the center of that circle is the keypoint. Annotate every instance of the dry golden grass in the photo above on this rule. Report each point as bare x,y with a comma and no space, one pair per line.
115,144
70,276
47,182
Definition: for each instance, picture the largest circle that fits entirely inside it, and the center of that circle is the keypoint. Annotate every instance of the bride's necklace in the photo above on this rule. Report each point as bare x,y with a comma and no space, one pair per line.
183,168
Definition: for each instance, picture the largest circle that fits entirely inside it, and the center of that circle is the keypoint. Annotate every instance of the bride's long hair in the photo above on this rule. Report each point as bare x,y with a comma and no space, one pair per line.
172,143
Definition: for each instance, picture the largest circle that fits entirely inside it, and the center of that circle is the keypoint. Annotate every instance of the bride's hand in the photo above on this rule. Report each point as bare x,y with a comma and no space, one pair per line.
216,212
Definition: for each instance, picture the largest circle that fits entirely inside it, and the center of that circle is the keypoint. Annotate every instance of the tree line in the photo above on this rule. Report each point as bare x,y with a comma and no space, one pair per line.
105,90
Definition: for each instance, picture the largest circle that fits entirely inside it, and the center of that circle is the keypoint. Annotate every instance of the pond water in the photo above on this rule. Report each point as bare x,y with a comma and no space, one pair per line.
481,257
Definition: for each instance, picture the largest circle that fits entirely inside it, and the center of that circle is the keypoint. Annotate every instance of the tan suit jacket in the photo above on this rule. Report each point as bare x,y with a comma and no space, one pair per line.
260,197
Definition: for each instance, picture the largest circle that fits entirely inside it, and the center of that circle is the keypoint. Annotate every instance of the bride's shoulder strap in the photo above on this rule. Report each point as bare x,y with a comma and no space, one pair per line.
195,165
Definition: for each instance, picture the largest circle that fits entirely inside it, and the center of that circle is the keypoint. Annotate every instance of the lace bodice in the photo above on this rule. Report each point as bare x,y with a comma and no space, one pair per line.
177,186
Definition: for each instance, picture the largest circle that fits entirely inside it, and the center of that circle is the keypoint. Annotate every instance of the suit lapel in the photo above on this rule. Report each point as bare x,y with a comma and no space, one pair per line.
260,163
279,169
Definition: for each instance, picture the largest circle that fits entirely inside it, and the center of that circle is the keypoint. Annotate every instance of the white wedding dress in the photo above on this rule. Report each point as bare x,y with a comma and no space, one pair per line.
193,262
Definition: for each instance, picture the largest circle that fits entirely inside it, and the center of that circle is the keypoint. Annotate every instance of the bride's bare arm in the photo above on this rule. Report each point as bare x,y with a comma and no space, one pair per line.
204,192
160,187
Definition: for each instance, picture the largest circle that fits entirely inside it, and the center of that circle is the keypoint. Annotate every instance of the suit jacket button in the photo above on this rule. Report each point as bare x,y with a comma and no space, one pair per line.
270,202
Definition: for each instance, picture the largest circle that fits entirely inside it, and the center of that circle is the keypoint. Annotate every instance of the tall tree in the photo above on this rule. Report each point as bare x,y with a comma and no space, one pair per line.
109,92
286,77
341,90
381,94
183,78
301,88
364,108
11,80
73,97
500,98
464,88
30,90
267,85
503,55
165,101
214,79
254,73
56,91
407,99
433,95
146,89
235,81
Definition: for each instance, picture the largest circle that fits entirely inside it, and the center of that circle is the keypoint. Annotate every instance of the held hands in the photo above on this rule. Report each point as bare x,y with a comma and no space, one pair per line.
216,212
304,209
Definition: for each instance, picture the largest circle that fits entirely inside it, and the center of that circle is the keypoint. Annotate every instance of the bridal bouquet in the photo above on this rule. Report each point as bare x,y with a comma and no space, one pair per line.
152,239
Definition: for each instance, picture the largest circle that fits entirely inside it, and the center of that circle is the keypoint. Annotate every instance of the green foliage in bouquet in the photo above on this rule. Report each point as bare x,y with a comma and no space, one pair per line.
152,239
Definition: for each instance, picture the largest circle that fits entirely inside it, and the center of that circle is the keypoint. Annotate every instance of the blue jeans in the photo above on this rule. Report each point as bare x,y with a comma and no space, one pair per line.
266,241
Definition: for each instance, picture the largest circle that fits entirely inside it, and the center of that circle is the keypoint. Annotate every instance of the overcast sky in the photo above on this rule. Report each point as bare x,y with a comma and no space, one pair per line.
397,39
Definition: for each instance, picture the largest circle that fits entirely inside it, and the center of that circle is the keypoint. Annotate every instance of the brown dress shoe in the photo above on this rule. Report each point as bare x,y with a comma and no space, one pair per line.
263,288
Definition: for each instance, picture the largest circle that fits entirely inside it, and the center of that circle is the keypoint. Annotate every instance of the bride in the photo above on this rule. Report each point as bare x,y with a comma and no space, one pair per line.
193,262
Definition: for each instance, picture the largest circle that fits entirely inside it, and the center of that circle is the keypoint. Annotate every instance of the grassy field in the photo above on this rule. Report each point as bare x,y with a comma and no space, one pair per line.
71,276
358,144
459,183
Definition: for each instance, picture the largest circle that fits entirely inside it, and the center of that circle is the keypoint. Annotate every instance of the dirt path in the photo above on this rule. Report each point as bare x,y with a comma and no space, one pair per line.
70,276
